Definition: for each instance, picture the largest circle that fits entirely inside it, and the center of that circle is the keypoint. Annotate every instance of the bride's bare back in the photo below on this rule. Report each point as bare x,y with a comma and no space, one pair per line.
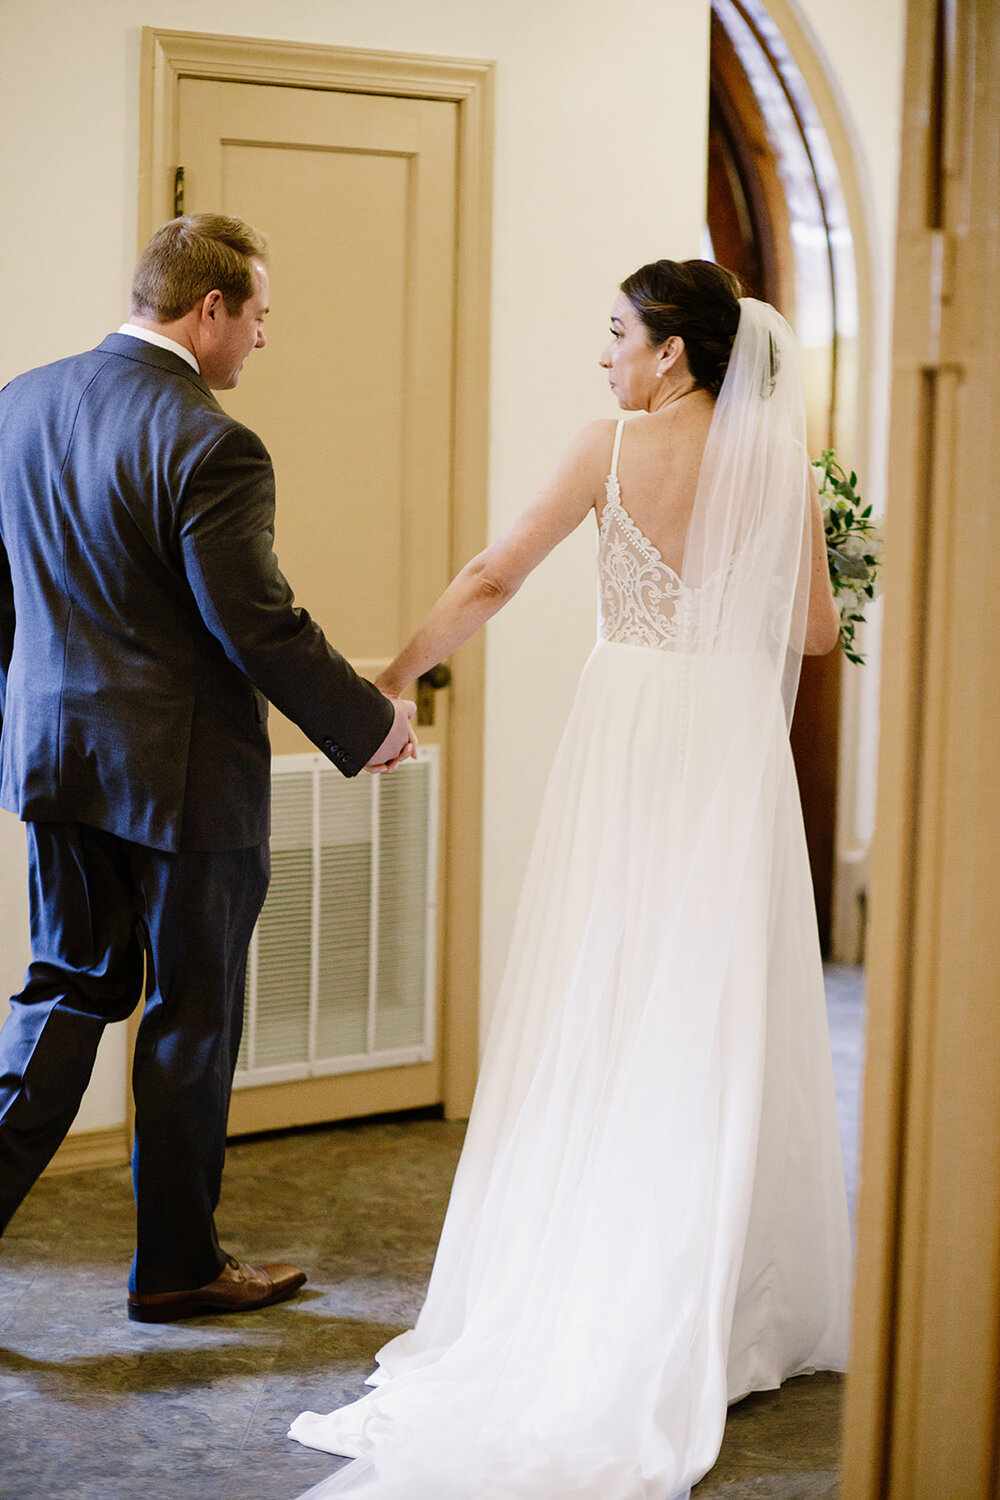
658,468
658,465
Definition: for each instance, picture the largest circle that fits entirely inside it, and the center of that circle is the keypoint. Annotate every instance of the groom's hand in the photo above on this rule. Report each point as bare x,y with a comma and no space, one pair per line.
400,743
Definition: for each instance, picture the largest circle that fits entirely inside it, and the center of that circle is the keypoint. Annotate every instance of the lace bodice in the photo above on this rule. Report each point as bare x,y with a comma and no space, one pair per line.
642,601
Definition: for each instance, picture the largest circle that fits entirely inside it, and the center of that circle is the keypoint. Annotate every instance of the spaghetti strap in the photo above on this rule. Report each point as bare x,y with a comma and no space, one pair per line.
615,450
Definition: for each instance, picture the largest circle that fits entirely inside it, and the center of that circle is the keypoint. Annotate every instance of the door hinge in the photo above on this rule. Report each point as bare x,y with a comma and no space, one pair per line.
178,192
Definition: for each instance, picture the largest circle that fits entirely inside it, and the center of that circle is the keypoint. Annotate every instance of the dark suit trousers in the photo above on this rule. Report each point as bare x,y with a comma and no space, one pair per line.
104,913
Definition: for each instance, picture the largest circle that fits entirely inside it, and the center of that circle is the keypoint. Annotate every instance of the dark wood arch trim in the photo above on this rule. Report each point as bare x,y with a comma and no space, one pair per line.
749,224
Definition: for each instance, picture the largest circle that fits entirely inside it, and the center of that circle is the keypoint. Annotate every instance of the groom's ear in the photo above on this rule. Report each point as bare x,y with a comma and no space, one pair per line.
211,303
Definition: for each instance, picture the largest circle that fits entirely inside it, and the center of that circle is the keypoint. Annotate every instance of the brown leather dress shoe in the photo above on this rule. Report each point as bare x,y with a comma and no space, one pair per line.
237,1288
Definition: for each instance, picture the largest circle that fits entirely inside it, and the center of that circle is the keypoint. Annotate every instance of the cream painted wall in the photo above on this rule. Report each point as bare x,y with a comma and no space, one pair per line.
599,165
862,43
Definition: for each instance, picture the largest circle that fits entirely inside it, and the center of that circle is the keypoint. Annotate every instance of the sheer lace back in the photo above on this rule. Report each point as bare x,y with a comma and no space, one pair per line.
642,601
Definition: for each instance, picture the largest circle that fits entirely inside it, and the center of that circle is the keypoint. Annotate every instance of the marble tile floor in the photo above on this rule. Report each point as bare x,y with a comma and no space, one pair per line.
93,1407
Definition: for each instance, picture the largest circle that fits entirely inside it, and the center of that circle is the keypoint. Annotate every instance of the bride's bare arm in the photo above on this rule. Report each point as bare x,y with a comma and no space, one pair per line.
487,582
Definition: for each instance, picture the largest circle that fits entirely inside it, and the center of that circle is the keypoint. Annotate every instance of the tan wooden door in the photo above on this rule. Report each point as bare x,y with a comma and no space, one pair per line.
353,397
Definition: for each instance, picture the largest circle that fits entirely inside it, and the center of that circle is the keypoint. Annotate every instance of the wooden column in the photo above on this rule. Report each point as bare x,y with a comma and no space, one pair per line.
923,1416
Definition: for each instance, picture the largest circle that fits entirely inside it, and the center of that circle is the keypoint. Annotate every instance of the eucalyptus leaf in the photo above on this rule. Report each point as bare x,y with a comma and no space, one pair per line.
848,567
847,523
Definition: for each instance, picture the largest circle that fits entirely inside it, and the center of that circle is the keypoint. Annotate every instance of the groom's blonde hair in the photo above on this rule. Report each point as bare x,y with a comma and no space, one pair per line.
192,256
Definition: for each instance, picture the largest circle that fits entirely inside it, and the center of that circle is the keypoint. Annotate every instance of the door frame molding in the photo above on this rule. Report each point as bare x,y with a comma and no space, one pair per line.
858,432
167,57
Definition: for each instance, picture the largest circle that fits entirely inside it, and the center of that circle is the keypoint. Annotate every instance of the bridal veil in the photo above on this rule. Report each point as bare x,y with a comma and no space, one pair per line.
649,1216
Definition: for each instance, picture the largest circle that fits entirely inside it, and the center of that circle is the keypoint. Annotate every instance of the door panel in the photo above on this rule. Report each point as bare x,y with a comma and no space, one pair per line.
352,395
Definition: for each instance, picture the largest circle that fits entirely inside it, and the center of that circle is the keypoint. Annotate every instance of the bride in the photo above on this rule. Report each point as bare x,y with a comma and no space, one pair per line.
649,1217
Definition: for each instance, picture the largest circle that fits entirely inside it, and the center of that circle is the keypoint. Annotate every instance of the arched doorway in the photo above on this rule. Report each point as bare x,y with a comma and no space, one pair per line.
777,216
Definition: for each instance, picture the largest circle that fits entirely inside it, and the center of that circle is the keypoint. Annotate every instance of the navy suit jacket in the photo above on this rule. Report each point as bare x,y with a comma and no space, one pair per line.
143,618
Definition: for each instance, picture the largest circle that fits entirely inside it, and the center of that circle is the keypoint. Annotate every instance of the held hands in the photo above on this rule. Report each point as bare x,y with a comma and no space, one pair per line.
400,743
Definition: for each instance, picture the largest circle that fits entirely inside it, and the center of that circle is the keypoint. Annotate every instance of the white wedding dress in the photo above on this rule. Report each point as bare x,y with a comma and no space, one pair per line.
649,1217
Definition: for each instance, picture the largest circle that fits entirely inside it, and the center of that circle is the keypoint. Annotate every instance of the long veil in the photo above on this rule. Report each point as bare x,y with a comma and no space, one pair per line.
609,1274
747,549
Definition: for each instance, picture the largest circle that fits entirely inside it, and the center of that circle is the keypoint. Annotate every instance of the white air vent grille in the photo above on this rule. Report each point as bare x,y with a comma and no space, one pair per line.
342,962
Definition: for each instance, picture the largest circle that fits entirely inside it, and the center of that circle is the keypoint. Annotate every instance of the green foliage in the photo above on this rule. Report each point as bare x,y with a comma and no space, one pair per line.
853,547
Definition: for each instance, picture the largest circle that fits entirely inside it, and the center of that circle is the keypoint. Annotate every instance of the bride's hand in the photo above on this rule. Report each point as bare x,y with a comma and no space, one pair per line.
400,743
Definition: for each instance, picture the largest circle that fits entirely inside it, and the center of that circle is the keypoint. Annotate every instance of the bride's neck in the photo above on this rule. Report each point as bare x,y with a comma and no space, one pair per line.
670,396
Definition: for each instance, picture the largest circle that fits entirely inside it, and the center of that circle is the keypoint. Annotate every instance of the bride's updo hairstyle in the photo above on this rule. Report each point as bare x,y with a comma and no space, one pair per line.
696,300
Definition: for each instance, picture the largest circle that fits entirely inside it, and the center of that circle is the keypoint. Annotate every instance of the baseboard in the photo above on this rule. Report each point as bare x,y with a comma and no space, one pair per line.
87,1149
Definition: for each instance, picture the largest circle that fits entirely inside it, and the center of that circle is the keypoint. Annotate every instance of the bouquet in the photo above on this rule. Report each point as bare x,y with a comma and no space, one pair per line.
853,547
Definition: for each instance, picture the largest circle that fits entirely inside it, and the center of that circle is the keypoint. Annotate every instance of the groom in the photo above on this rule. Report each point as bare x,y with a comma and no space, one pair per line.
143,625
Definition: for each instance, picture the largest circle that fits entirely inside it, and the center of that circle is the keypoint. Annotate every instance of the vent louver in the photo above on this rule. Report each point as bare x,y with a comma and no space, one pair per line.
342,962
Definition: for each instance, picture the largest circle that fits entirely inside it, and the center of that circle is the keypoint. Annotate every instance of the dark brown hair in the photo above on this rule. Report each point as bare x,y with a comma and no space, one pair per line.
696,300
192,256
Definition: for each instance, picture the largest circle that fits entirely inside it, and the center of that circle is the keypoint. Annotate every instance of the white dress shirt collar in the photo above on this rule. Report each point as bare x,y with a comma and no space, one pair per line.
161,342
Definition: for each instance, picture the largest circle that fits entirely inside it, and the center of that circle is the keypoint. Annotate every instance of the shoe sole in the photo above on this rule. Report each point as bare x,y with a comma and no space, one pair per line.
173,1312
